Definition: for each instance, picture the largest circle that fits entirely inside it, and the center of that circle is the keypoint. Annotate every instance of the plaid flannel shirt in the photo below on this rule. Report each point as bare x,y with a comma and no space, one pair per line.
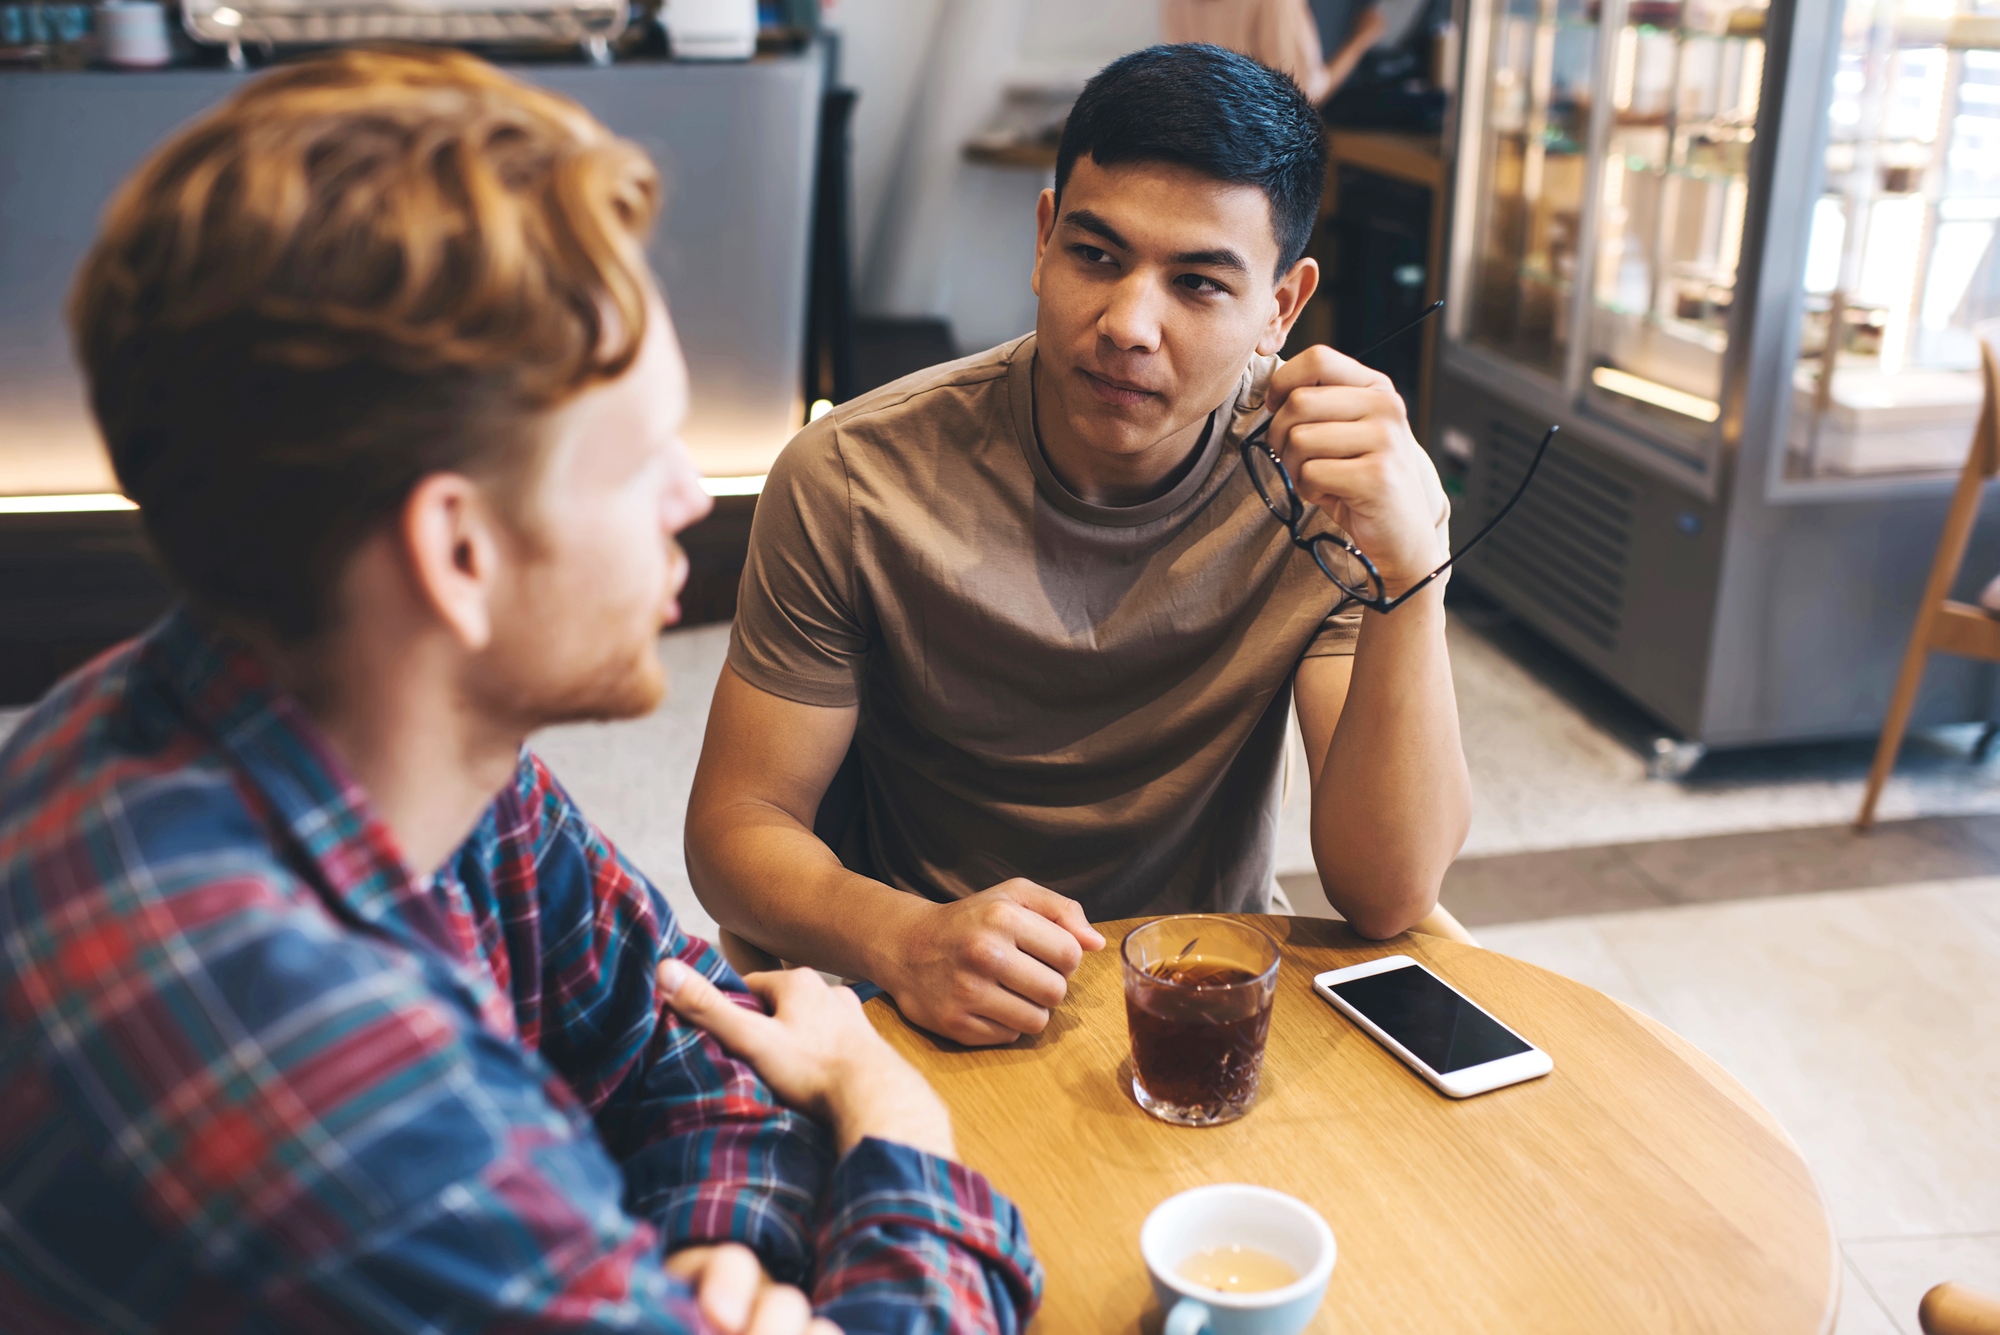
256,1076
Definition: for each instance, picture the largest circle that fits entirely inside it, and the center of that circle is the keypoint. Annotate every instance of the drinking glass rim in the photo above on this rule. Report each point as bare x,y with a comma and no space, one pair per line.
1263,976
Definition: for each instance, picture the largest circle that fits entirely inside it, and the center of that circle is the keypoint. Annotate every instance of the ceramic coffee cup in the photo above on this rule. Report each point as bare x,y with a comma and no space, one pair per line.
1234,1214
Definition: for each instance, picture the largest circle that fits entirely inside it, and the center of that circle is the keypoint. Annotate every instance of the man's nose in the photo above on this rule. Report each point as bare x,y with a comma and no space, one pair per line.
685,503
1131,320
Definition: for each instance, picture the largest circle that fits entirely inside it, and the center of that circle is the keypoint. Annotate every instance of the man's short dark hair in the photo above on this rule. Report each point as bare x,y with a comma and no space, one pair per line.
1212,110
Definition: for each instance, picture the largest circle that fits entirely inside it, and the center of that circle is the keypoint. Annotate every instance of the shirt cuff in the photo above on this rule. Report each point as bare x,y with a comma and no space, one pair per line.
881,1186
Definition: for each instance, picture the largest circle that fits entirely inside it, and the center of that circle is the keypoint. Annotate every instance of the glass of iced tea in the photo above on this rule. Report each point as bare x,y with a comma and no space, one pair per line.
1198,992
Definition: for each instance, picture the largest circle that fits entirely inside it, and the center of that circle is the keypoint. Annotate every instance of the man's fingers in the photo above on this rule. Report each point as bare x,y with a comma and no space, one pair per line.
976,1031
777,987
1061,910
1030,978
821,1326
1005,1009
1338,403
1339,440
726,1287
781,1310
701,1003
1343,479
688,1262
962,1026
1320,365
1045,942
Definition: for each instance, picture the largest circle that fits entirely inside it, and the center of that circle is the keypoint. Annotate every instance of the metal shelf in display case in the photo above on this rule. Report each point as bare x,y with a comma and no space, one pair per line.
1607,168
1741,255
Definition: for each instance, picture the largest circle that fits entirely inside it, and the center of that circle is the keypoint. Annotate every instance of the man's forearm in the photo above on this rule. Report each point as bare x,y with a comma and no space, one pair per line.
773,882
1393,801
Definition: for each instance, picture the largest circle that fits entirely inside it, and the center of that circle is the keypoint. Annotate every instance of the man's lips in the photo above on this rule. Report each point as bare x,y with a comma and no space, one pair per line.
1118,392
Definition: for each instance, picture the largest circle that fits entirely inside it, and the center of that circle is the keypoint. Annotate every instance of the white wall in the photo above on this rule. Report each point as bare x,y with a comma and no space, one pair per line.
934,234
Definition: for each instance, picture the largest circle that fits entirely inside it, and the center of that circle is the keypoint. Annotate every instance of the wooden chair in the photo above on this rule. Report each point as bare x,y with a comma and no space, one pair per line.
1943,625
1953,1309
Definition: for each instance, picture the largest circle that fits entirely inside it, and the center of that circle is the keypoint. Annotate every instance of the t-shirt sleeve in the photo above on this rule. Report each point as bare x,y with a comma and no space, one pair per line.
1337,634
800,632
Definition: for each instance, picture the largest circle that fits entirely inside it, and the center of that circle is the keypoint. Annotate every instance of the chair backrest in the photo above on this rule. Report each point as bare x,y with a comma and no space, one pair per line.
1953,1309
1985,456
1982,461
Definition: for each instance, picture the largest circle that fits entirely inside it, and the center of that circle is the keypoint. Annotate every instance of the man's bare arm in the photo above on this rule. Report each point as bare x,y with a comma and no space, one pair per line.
984,969
1391,800
1391,797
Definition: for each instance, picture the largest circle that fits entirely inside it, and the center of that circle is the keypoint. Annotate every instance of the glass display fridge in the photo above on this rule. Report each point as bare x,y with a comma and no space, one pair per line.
1743,256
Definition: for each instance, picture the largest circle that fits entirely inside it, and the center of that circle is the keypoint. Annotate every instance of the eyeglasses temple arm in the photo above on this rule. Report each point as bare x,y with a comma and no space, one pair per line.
1387,339
1491,524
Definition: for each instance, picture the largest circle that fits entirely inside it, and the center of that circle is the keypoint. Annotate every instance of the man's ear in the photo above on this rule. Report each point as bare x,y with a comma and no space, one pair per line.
451,548
1045,227
1295,289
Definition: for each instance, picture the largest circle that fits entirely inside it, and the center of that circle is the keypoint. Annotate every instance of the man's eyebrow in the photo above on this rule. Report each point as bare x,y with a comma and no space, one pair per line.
1087,221
1213,259
1221,258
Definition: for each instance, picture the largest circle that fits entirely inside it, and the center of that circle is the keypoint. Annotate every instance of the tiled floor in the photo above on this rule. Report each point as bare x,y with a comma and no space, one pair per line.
1866,1021
1852,984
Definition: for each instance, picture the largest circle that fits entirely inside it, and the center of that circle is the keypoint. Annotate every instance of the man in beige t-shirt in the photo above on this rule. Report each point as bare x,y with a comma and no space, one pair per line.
1018,638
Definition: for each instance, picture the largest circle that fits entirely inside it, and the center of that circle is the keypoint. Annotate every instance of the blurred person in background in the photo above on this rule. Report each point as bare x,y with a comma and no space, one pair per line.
1290,36
322,1007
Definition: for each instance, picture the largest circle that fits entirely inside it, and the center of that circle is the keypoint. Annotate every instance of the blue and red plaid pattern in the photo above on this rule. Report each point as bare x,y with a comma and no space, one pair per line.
256,1076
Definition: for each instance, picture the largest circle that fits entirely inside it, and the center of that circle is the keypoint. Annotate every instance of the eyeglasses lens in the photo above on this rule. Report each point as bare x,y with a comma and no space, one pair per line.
1347,568
1269,480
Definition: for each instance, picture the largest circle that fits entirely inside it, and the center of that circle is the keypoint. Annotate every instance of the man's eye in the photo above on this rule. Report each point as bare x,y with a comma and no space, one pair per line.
1195,282
1093,255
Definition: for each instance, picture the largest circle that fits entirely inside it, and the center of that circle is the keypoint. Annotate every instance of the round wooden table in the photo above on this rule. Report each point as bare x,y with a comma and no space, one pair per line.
1637,1188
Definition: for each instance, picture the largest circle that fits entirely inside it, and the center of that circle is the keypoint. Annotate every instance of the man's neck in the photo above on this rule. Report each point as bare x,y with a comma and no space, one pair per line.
428,762
1098,477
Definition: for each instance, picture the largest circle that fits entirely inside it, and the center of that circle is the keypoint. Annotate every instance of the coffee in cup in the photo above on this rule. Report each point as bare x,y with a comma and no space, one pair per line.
1235,1259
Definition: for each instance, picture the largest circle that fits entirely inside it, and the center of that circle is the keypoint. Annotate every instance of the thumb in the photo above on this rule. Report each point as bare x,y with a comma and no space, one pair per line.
701,1003
1061,910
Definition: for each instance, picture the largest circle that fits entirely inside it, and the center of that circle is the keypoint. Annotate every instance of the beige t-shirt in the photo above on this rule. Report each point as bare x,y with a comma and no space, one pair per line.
1094,698
1278,33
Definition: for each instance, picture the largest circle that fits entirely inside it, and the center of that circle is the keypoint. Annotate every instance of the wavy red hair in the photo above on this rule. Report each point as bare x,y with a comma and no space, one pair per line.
357,271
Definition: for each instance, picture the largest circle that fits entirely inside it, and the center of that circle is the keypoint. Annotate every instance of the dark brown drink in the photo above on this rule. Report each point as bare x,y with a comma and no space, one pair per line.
1198,1041
1198,991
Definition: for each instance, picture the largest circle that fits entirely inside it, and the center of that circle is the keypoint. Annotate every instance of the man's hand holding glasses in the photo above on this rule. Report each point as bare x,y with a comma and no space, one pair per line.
1344,437
1339,442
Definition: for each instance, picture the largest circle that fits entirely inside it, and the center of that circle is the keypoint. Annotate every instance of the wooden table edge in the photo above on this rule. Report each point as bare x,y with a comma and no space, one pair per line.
1720,1077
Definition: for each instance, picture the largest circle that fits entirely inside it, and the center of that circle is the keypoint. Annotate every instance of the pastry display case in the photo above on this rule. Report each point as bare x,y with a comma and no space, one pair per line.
1743,256
1900,270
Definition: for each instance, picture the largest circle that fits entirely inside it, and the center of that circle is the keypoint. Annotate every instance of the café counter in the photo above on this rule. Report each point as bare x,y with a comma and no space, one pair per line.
736,146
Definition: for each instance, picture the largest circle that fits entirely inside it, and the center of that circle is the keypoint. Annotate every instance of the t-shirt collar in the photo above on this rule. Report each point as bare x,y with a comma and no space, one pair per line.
1021,396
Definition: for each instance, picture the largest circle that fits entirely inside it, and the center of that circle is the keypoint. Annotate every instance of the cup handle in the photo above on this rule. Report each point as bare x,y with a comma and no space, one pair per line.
1188,1318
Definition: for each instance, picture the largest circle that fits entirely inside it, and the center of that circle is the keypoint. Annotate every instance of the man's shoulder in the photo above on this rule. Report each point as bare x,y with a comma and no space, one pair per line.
965,398
911,392
113,806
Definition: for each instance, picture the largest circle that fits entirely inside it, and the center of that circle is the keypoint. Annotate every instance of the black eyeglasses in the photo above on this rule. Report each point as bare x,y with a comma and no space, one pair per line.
1338,559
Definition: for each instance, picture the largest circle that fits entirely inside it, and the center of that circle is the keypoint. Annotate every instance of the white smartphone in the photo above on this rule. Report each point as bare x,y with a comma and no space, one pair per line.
1432,1026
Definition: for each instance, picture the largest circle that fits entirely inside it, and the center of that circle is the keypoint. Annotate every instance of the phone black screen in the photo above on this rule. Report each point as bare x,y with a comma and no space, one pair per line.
1416,1008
